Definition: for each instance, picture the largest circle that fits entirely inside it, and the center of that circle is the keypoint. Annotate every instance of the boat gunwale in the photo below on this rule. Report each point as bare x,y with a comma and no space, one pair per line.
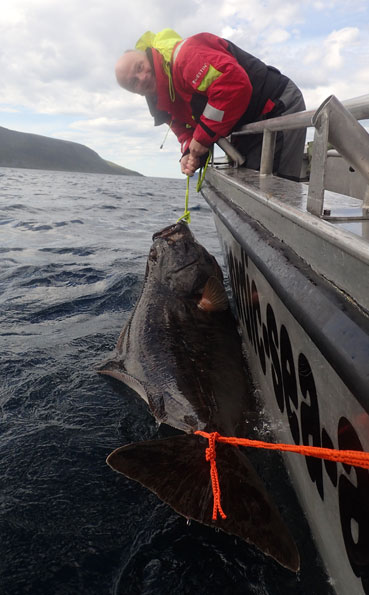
341,238
349,367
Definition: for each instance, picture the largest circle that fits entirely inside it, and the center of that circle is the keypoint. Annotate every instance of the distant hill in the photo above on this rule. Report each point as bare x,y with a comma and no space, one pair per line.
33,151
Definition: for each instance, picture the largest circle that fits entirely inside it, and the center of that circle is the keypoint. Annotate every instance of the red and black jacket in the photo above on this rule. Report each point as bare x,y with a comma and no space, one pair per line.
218,88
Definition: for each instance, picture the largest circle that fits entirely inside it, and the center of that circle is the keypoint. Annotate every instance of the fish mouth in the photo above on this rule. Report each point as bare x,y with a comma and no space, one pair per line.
174,232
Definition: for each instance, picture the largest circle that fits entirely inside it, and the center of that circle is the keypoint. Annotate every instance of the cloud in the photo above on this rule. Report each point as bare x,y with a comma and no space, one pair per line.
330,53
278,36
113,126
12,13
341,5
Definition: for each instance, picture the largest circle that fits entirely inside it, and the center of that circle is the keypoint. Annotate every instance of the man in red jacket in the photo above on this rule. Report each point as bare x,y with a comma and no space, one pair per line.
205,87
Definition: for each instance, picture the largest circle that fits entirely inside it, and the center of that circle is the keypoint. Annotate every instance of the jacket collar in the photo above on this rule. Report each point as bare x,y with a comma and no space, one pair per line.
162,82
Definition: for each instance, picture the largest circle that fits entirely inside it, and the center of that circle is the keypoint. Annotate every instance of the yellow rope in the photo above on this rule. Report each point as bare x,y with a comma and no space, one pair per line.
202,173
186,215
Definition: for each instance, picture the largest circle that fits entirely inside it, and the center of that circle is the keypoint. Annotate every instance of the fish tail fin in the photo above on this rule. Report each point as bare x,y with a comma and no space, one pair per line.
175,469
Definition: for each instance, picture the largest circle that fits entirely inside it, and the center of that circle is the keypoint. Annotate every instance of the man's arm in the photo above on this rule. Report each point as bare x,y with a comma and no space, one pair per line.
183,134
204,66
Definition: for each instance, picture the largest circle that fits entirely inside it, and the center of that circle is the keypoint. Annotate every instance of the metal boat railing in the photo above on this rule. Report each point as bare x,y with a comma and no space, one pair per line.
336,123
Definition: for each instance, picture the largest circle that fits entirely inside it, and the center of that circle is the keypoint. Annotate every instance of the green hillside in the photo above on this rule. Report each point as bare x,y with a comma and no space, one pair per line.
33,151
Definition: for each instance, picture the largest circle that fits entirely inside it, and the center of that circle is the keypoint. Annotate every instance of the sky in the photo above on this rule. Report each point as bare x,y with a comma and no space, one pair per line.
57,62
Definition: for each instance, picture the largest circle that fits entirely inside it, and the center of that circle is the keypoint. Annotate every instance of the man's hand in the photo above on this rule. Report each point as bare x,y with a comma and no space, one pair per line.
196,149
190,162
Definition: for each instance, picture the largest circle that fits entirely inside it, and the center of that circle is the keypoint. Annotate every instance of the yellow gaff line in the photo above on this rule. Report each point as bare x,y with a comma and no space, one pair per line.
202,173
186,215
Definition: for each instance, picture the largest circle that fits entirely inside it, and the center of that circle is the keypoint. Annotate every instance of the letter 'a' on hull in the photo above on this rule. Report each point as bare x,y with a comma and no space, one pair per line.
175,469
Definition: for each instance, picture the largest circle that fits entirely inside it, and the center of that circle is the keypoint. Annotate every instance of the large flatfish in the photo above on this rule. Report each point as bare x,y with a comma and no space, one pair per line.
182,353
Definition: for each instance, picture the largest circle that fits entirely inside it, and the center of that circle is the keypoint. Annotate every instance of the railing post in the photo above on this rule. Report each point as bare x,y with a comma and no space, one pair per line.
366,200
267,152
346,134
231,151
334,123
315,199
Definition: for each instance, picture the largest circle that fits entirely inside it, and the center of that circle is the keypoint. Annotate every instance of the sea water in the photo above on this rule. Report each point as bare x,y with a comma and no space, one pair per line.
73,250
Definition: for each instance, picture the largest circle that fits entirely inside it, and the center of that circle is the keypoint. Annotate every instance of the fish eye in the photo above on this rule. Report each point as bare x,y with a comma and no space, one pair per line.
153,255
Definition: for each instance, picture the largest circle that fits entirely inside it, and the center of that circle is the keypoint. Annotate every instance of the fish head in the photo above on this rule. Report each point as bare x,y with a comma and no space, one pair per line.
179,262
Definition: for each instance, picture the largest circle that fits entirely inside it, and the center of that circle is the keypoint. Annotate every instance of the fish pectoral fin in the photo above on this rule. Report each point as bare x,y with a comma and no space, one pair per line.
110,364
214,297
175,469
114,369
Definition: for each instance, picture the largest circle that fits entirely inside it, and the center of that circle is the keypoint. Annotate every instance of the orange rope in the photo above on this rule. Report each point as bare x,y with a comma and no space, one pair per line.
357,458
210,455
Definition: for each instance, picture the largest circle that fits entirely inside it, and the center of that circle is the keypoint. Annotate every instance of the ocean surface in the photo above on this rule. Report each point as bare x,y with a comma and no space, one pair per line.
73,252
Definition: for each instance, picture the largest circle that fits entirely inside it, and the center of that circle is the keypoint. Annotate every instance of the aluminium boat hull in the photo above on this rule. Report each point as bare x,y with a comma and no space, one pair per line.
307,343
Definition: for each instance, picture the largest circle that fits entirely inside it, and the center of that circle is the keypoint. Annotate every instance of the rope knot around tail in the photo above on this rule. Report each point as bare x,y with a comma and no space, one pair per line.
357,458
210,454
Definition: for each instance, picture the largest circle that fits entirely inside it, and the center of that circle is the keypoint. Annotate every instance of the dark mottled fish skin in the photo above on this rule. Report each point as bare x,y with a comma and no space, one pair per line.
185,359
187,363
